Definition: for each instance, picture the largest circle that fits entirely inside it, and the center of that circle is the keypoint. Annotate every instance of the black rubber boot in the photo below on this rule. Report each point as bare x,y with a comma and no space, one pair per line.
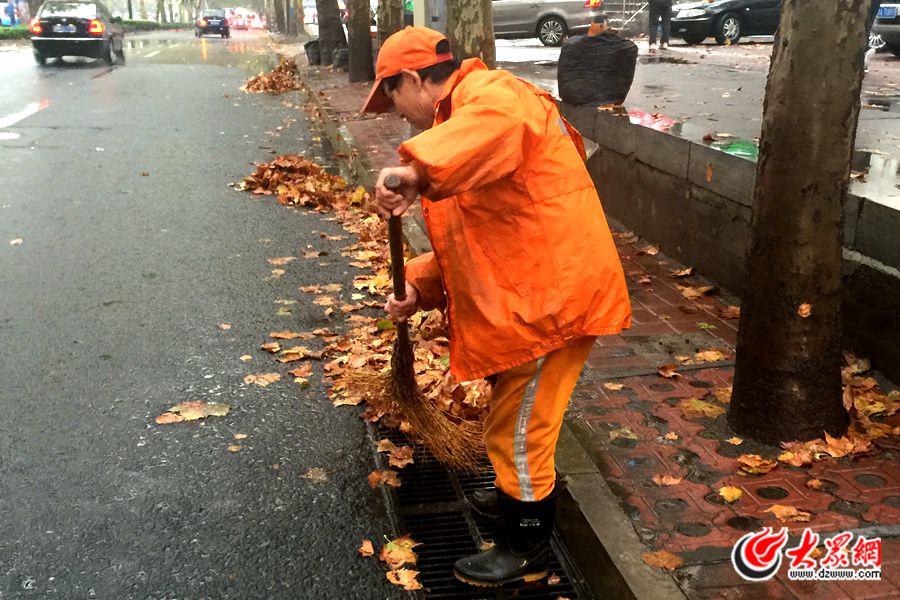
484,502
524,554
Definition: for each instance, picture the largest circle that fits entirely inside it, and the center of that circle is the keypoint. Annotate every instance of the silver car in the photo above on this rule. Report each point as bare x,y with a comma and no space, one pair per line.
549,21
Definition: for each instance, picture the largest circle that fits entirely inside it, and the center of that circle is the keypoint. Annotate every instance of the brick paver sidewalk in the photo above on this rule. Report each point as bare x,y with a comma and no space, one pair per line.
624,429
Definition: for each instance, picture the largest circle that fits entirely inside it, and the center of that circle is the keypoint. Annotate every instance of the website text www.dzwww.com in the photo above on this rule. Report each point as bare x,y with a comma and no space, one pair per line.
834,574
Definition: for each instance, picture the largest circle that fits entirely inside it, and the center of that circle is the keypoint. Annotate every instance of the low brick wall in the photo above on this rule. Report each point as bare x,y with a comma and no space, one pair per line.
657,184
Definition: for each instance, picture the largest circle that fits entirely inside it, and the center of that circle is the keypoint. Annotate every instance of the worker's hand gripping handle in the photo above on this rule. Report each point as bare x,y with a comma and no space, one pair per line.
395,237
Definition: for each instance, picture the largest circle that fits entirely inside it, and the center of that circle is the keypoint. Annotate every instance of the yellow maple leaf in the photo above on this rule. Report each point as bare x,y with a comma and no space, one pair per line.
666,480
789,513
662,559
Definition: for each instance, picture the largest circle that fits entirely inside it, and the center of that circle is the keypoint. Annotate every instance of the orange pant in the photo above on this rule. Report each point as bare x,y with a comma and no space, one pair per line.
527,407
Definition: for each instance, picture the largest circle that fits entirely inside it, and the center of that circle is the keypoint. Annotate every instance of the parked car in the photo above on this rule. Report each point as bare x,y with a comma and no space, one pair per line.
550,21
887,25
725,20
76,28
212,21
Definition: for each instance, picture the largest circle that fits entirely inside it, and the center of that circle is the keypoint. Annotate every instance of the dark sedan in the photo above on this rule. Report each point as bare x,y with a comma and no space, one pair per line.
76,28
212,22
725,20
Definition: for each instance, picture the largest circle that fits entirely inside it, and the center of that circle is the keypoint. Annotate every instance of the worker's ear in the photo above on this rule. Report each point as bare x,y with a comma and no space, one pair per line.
412,77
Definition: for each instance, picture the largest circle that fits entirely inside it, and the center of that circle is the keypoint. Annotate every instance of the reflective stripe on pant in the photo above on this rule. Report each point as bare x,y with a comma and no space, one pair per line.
527,407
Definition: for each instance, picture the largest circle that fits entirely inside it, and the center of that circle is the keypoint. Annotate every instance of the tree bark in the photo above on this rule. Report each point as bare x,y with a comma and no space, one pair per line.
142,10
130,11
361,67
390,18
331,31
787,383
470,29
161,11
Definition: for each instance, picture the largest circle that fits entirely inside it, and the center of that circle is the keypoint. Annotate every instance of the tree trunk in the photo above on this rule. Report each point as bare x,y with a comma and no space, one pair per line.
390,18
361,66
142,10
290,17
161,11
787,383
130,11
279,16
470,29
331,31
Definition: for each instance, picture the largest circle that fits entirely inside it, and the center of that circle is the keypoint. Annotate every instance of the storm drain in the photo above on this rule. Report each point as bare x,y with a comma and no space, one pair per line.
430,506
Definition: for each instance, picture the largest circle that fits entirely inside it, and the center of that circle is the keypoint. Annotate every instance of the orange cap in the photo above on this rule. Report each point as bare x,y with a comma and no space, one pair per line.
412,48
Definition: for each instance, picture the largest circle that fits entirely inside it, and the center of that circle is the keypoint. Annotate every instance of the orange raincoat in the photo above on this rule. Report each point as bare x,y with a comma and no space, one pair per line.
523,257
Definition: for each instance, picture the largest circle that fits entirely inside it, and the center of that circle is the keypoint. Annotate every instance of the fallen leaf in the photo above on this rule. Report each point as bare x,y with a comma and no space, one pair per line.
668,371
281,261
234,448
695,293
366,548
682,272
814,484
194,410
613,387
400,457
709,172
404,577
271,347
645,280
16,242
730,312
224,326
709,356
671,436
624,433
649,251
691,407
316,475
246,357
304,370
804,310
666,480
662,559
240,436
262,379
723,394
314,254
399,552
789,513
296,353
735,441
384,477
553,579
276,273
167,417
145,174
730,493
755,464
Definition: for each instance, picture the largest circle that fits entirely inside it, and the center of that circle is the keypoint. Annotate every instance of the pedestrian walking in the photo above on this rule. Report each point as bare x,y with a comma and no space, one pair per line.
523,261
11,12
660,18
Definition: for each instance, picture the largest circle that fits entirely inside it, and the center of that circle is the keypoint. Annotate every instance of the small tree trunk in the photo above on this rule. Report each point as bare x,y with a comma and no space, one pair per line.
161,11
787,383
470,29
130,11
142,10
390,18
331,31
280,25
361,67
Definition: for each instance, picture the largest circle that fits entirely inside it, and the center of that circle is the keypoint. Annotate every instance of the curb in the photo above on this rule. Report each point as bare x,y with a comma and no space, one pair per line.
599,537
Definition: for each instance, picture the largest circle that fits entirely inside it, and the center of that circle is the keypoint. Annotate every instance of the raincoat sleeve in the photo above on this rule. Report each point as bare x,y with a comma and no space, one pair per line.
423,273
486,138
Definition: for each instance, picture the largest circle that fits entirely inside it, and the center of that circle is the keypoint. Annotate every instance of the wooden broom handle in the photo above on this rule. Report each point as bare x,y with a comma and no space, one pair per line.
395,237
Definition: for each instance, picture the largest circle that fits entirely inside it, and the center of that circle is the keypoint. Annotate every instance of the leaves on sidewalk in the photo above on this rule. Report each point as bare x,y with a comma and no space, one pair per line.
755,464
789,514
692,407
730,493
262,379
384,477
666,480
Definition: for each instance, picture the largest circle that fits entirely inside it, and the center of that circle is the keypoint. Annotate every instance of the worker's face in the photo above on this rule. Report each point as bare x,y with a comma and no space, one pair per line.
413,100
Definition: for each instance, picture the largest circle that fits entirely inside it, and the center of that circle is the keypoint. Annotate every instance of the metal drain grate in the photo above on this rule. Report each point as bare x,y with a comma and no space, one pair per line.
430,506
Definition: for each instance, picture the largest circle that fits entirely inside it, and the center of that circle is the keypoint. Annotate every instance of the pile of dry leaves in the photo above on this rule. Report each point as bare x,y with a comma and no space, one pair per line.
282,78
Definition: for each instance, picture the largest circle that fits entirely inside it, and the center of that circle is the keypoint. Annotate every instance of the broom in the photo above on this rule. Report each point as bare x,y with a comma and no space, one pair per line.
458,445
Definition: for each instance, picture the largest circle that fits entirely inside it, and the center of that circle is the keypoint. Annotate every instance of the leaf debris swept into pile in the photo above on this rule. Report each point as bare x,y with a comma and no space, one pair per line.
295,181
282,78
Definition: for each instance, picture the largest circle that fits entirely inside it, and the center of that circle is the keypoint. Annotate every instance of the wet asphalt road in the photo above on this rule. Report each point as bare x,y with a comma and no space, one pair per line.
109,313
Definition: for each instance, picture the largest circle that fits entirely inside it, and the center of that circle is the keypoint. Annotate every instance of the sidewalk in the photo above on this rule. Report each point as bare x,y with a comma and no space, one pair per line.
627,424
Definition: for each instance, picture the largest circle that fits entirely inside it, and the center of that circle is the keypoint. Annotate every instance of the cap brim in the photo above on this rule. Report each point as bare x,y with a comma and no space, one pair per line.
377,102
